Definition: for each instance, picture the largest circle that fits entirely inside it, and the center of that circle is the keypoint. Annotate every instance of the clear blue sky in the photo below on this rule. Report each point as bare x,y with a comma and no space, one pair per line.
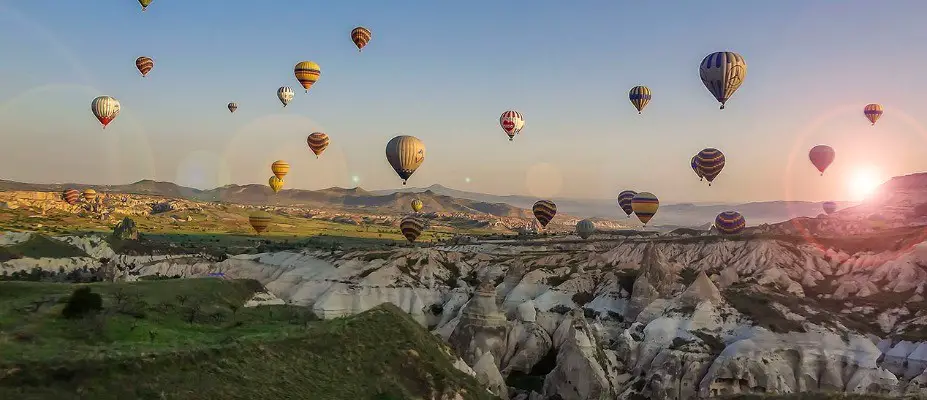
444,71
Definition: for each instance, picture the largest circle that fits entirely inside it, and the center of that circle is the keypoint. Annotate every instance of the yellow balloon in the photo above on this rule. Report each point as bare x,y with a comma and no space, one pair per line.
275,183
259,220
417,205
280,168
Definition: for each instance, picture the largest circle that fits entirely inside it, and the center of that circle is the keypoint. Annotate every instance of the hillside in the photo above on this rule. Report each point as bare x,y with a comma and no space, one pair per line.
191,339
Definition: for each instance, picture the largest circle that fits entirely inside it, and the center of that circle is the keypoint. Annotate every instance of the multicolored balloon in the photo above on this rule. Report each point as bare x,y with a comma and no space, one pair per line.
70,196
722,73
640,96
145,4
285,94
645,205
512,122
585,228
695,168
709,163
873,112
360,36
105,108
624,201
829,207
259,221
417,205
90,195
144,65
275,183
233,107
411,228
317,142
730,222
405,154
544,211
280,168
307,73
822,156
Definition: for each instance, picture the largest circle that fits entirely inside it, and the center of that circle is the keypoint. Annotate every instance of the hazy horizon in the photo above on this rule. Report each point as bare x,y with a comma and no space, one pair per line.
444,73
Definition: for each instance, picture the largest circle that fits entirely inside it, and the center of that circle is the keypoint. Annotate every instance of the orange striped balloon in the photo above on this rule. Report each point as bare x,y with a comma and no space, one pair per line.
259,220
71,196
280,168
360,36
144,65
307,73
318,142
90,195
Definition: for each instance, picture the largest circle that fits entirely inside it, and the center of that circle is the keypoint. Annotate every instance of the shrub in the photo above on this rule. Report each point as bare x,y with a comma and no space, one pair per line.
82,302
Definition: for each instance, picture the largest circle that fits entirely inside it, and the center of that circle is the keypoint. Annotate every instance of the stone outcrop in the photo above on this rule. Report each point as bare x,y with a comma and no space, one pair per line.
126,230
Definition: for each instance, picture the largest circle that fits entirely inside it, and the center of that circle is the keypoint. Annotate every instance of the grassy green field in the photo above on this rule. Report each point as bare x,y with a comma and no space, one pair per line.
192,339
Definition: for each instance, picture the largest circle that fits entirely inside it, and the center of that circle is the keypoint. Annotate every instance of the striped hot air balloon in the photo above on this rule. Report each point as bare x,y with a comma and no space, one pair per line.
105,108
624,201
873,112
360,36
512,122
70,196
280,168
144,65
722,73
829,207
640,96
318,142
411,228
709,162
90,195
145,4
822,156
233,107
695,168
275,183
405,154
417,205
285,94
259,220
585,228
730,222
544,211
307,73
645,205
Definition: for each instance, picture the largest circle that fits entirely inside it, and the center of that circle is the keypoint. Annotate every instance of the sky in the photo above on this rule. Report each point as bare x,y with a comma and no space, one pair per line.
444,72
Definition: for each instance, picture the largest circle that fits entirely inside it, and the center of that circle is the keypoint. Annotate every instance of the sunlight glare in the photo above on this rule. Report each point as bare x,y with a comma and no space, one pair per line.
863,182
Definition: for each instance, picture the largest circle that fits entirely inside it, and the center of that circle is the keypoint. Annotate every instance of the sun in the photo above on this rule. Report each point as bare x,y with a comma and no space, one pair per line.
863,181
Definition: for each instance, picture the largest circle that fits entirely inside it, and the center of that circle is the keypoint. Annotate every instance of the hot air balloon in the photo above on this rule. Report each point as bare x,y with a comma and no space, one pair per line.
105,108
360,36
512,122
307,73
829,207
90,195
144,65
280,168
417,205
624,201
585,228
722,73
275,183
405,154
695,168
145,4
873,112
709,163
259,220
285,94
640,96
233,107
70,196
411,228
544,211
730,222
318,142
821,156
645,205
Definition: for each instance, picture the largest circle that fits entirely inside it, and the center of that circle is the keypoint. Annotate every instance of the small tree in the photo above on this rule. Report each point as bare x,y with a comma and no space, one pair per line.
181,298
82,302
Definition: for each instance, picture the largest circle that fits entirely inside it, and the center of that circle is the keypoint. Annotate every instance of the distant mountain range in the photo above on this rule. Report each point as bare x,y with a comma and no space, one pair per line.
443,199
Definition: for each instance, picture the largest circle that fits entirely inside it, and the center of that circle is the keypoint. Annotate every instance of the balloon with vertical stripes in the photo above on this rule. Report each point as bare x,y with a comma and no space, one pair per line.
585,228
285,94
640,96
405,154
105,108
873,112
360,36
233,107
722,73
